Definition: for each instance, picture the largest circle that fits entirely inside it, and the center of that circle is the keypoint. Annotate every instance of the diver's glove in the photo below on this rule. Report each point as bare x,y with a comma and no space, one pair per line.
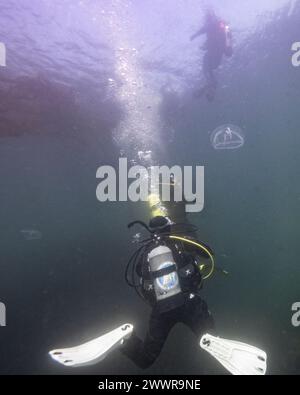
238,358
93,351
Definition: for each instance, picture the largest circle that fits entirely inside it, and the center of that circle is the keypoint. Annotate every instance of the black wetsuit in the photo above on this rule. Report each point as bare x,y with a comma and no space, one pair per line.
215,47
187,308
193,313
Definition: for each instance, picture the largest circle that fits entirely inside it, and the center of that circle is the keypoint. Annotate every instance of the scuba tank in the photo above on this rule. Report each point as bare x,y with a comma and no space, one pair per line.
165,269
163,272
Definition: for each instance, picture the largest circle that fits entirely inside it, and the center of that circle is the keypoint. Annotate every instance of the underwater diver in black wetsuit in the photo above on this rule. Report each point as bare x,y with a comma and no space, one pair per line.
168,276
218,43
167,271
170,280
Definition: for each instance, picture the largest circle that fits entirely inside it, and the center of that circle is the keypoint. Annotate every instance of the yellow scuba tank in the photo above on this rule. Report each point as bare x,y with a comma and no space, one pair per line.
156,207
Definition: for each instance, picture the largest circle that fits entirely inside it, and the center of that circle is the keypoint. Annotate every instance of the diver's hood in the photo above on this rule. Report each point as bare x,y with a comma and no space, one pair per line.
160,223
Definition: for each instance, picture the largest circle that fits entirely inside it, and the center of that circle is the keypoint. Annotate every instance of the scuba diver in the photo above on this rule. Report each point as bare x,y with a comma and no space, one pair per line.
218,43
167,271
167,274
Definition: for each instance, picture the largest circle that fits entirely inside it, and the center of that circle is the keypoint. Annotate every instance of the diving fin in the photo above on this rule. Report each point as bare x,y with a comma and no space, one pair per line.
93,351
238,358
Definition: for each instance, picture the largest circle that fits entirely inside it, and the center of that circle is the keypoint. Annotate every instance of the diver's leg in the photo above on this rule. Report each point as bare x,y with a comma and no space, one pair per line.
144,353
205,68
238,358
210,80
210,64
197,317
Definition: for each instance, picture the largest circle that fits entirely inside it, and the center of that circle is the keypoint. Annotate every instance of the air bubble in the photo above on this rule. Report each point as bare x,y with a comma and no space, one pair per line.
136,238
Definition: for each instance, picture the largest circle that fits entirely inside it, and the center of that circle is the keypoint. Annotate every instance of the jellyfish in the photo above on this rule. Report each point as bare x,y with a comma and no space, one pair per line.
227,137
31,234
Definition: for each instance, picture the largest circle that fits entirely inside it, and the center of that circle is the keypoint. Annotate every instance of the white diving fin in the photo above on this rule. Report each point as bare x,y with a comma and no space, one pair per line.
93,351
238,358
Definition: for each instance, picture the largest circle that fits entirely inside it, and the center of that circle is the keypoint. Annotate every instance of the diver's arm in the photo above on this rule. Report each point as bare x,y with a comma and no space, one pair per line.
202,253
193,249
208,248
198,33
